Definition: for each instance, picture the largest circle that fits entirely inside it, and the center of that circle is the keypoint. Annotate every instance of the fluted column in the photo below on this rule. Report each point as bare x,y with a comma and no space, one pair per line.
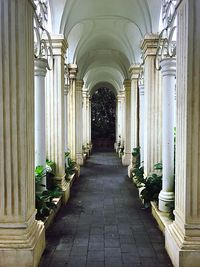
72,110
88,120
134,130
90,124
55,140
84,96
142,116
127,140
40,138
66,92
79,123
152,105
166,196
22,238
121,118
183,235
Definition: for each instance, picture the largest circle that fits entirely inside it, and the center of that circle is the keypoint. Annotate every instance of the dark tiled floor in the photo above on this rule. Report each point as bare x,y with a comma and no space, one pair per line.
103,224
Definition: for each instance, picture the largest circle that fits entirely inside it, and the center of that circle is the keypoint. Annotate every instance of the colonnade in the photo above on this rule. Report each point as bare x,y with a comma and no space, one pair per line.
42,121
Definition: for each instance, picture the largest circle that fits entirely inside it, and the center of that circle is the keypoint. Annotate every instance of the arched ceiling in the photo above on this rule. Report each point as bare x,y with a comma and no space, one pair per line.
104,35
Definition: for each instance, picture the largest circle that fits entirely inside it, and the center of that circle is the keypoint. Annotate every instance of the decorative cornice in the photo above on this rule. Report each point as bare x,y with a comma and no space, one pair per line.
59,44
79,85
149,45
134,70
72,69
127,84
42,38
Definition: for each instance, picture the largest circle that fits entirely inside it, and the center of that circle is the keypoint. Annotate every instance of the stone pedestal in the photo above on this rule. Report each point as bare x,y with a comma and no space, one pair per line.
152,105
134,129
79,123
55,139
40,143
22,238
166,196
127,141
182,237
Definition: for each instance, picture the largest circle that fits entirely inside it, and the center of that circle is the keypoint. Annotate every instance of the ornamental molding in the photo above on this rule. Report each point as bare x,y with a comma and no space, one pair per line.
42,38
167,38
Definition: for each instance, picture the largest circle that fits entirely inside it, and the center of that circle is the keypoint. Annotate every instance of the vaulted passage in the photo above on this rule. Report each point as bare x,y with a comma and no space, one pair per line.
103,224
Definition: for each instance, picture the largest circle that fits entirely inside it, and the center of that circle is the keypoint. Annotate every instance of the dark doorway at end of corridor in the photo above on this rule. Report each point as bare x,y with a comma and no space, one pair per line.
103,118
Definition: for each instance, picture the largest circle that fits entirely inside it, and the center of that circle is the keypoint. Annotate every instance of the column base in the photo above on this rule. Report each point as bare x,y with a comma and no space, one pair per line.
126,159
22,247
80,159
130,170
64,186
183,252
166,200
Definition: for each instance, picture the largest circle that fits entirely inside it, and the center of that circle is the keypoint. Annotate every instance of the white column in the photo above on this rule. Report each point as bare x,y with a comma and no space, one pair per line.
66,91
116,126
142,116
84,95
120,99
40,138
22,239
90,124
72,110
55,140
182,237
134,130
88,120
127,141
152,105
166,196
79,122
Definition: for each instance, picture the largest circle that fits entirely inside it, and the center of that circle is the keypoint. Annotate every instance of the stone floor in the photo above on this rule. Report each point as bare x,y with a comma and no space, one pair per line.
103,224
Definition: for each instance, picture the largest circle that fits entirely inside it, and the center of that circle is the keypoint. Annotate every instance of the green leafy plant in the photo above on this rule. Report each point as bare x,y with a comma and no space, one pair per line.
138,170
70,165
44,202
158,166
67,154
44,199
171,210
152,188
40,173
71,169
51,167
51,172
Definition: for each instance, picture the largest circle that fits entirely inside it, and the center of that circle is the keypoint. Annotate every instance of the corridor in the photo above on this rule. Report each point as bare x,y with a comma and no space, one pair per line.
103,223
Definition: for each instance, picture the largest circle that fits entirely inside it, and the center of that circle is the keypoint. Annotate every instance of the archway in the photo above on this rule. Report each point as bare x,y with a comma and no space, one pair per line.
103,117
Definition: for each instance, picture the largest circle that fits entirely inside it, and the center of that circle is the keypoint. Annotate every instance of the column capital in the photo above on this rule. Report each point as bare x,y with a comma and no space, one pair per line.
121,95
73,69
168,66
127,84
84,92
134,70
149,45
40,67
79,85
59,44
